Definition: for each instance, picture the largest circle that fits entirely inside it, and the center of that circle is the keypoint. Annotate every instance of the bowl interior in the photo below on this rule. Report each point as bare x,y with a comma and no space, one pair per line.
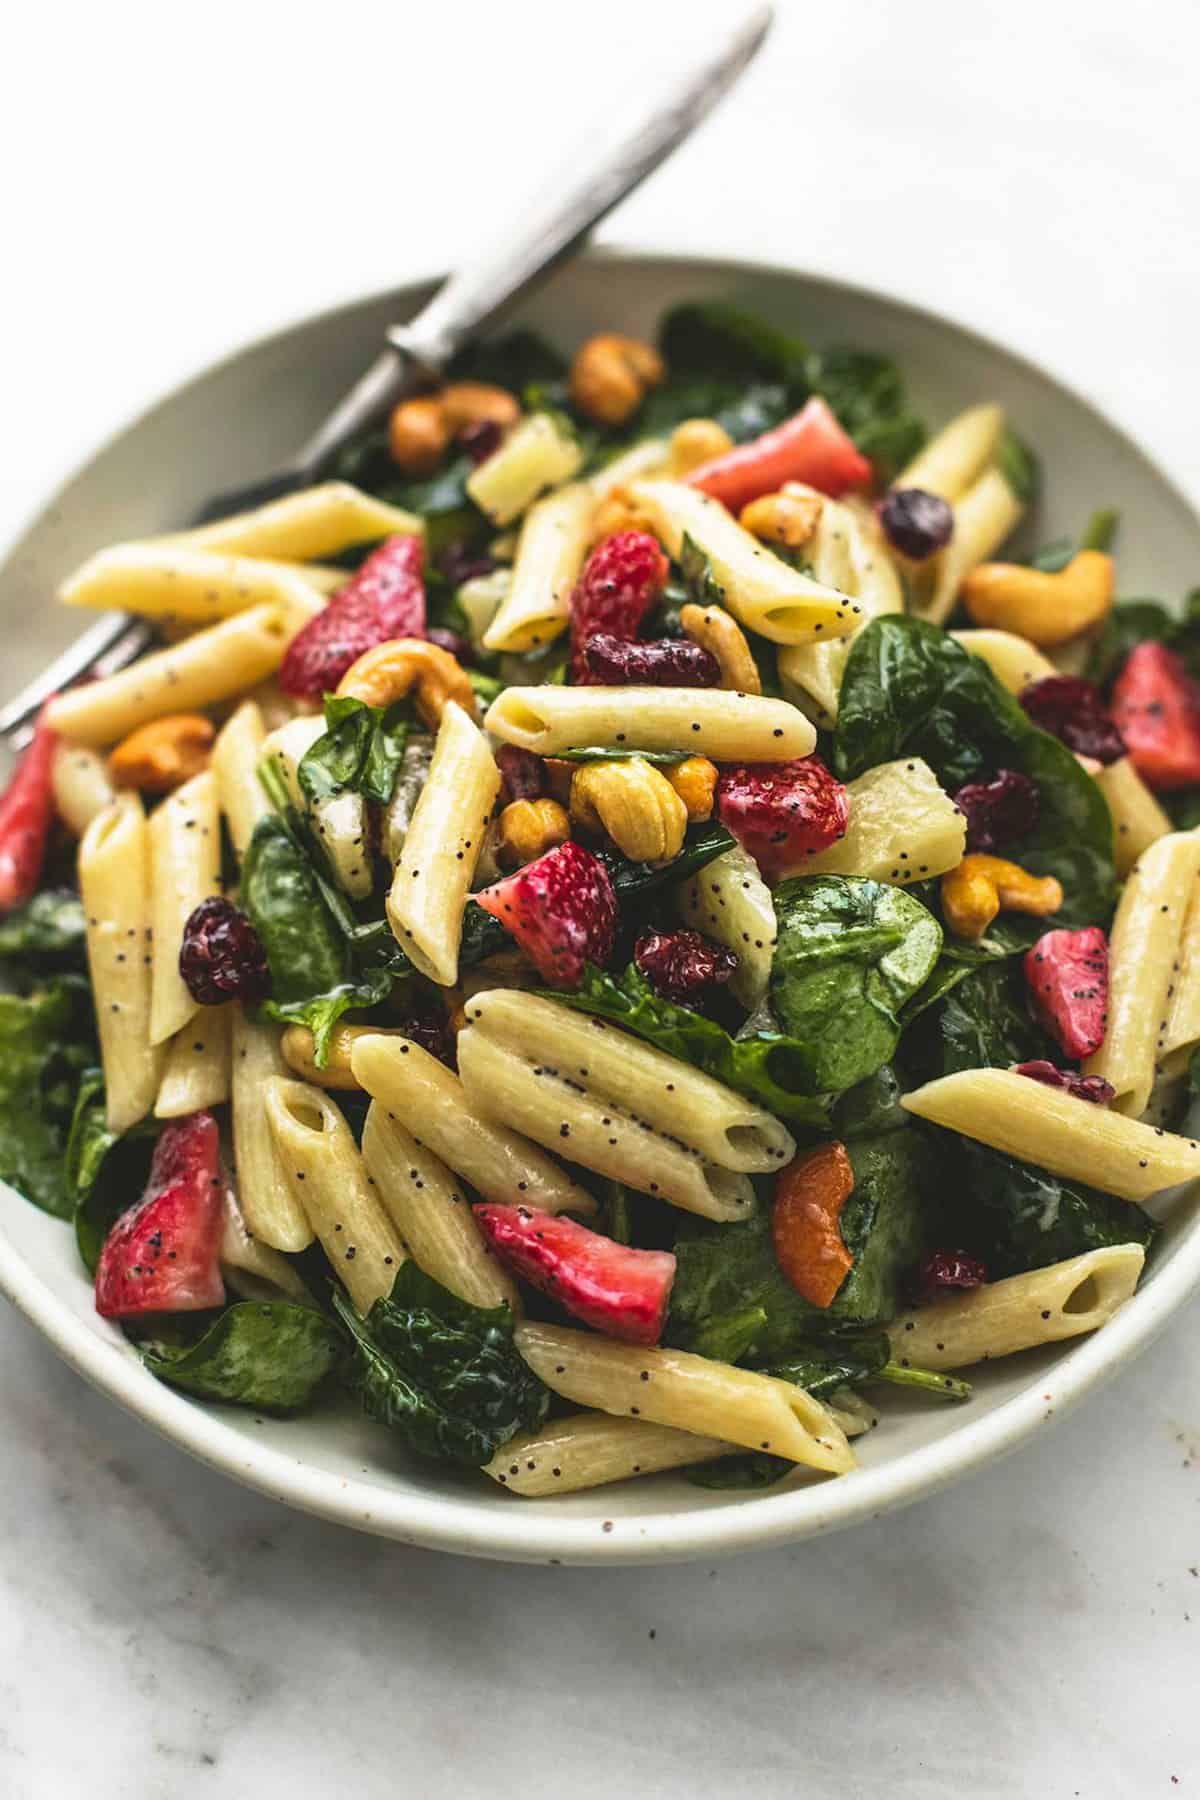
243,417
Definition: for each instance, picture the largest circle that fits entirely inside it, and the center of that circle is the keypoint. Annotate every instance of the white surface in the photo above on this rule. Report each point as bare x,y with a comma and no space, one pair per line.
1032,171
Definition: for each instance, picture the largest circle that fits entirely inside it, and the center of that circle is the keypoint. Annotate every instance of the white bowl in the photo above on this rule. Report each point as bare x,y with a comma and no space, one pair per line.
242,418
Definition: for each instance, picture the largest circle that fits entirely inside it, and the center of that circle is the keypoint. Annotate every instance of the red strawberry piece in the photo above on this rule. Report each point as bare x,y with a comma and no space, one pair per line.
561,909
621,580
683,965
385,599
1093,1088
1067,976
1073,710
620,1291
161,1255
943,1271
26,815
811,447
782,812
1156,707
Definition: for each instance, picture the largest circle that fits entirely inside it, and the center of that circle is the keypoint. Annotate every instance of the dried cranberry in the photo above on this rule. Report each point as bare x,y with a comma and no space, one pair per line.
941,1270
663,662
432,1034
458,563
620,582
916,523
222,956
683,965
999,810
522,774
480,439
453,642
1081,1087
1073,710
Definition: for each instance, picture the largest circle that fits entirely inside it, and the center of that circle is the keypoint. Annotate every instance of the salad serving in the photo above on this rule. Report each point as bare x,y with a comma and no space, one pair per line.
625,928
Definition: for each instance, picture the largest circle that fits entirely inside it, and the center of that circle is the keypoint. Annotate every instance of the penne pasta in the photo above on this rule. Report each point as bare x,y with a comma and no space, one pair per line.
589,1450
646,459
114,882
80,782
762,590
1001,1317
269,1206
1138,819
713,722
318,521
1144,946
212,665
536,605
673,1387
252,1268
1013,660
1183,994
664,1094
983,517
429,1209
1057,1131
847,551
197,1070
185,868
425,1096
235,758
340,822
902,827
328,1181
728,900
957,455
177,584
441,847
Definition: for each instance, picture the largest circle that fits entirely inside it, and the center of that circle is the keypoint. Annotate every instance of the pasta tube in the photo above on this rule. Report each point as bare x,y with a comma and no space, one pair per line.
902,827
1144,948
550,552
1043,1307
673,1387
340,821
80,782
328,1181
1057,1131
1183,994
214,664
114,882
663,1093
197,1071
185,868
759,588
432,1214
318,521
713,722
424,1095
847,552
983,517
957,455
269,1206
650,457
252,1268
1013,660
181,585
729,901
441,847
588,1450
1138,819
234,763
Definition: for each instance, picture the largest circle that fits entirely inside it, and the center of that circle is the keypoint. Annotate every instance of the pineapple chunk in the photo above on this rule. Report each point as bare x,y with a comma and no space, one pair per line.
903,827
537,454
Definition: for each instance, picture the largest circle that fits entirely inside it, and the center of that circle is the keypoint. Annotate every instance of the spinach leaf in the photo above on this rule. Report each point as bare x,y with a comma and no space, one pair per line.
821,1368
910,690
850,953
596,753
766,1067
442,1373
696,570
866,391
728,1337
928,1381
105,1171
724,1269
1133,622
1098,534
751,1469
710,336
701,845
1019,467
268,1354
362,750
47,1038
515,361
48,932
870,1108
984,1023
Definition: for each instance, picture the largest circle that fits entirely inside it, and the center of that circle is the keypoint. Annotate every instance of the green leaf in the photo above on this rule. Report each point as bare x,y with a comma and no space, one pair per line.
46,1041
982,1023
47,932
513,361
751,1469
598,754
268,1354
820,1368
1019,467
767,1067
929,1381
1098,534
850,953
1133,622
361,750
105,1171
711,337
910,690
701,846
444,1374
866,392
871,1107
729,1337
703,588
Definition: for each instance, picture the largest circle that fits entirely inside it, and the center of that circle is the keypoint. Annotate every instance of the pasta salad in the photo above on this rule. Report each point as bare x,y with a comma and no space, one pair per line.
623,928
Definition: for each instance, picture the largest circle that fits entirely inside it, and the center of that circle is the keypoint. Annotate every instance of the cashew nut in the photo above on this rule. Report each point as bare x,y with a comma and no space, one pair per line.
695,442
297,1047
611,375
784,518
418,435
695,781
387,672
975,891
1046,609
526,829
477,403
719,633
635,803
162,755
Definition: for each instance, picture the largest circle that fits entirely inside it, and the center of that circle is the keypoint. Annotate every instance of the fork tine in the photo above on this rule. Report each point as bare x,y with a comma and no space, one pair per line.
108,645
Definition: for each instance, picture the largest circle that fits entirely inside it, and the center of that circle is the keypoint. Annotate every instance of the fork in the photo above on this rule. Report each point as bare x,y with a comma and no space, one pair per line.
415,354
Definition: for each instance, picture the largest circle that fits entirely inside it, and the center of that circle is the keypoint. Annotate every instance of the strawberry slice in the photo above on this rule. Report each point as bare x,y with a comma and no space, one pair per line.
1156,709
26,815
1067,976
620,1291
811,447
781,813
621,580
385,599
561,909
161,1255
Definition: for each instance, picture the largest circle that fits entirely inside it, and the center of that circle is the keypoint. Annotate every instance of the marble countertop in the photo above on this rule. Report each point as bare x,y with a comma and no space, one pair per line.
165,1635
